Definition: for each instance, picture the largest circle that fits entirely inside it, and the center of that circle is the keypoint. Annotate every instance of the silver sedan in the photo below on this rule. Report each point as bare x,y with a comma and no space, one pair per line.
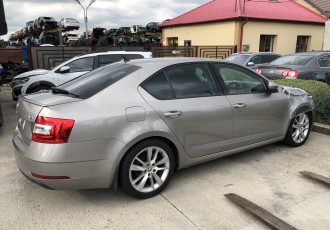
136,122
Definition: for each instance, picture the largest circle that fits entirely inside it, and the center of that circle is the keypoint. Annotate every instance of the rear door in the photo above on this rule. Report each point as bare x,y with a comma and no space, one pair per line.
186,97
78,67
257,114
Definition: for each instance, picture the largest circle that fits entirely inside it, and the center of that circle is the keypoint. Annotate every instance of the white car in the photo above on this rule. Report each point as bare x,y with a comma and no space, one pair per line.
71,37
42,79
69,23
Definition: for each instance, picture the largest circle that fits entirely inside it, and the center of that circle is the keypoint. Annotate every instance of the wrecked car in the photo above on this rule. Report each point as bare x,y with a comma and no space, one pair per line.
160,115
46,23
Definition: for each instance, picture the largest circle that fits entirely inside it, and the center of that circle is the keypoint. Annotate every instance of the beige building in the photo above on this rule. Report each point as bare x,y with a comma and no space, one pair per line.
321,7
281,26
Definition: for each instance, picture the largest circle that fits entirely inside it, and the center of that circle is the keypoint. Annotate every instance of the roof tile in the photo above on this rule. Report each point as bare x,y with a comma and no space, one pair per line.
220,10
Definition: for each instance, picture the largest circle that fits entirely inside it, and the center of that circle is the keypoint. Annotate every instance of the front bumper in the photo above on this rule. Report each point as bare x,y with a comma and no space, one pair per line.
16,91
57,160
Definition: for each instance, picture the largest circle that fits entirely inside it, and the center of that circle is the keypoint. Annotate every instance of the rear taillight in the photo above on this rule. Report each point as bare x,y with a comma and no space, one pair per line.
293,74
52,130
259,71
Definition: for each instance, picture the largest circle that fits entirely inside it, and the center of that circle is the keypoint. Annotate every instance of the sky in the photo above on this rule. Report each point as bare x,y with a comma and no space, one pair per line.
103,13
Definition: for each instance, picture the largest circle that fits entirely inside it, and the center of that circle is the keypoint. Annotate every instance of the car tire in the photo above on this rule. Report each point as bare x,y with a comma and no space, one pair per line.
298,130
147,168
40,88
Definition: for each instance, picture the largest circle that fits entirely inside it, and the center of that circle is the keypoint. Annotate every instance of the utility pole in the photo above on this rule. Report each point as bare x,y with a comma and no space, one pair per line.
85,13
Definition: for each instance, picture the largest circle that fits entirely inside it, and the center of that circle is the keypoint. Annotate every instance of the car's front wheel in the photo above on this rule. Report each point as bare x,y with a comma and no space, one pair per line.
299,129
147,168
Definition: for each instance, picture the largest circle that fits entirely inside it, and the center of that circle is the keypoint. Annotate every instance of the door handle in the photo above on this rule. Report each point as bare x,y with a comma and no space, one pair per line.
239,105
172,113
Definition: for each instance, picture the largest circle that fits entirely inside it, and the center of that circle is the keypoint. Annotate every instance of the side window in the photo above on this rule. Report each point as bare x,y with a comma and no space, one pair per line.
324,61
270,58
191,80
81,65
239,80
159,87
256,59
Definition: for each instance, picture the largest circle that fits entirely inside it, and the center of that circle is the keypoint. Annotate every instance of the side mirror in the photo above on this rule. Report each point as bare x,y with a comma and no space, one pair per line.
65,69
250,63
272,87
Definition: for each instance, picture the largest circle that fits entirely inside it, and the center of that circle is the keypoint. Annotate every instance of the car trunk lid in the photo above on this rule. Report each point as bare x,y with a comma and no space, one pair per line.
273,71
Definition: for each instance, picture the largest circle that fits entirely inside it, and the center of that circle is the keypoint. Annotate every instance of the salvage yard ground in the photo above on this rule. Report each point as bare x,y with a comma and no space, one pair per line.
268,176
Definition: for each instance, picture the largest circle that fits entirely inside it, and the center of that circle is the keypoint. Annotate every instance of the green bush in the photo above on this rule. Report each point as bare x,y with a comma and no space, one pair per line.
318,90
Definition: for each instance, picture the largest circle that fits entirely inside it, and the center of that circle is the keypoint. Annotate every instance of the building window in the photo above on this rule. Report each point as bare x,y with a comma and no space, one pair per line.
172,41
302,43
266,43
187,42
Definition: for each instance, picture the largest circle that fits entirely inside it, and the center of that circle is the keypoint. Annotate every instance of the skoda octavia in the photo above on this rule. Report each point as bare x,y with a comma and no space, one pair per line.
135,122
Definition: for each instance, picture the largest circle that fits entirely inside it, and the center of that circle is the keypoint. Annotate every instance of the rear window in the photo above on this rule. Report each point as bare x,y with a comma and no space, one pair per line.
298,60
238,59
95,81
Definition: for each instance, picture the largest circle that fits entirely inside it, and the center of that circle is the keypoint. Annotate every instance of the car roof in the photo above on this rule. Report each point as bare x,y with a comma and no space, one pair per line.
92,54
313,53
170,61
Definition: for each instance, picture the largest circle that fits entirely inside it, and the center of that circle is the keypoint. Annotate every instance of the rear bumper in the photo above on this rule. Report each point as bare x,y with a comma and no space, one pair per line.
83,175
50,161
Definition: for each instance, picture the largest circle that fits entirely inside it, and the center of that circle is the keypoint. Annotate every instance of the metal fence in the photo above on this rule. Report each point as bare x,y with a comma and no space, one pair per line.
218,52
48,57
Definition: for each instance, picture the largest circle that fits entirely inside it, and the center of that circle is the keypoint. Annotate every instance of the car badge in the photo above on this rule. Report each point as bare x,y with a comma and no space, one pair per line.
271,72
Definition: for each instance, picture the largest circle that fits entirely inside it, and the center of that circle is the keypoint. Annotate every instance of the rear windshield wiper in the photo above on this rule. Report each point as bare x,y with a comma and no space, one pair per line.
62,91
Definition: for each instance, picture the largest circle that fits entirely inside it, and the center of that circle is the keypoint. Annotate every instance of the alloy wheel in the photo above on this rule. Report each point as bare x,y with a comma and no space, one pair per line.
300,128
149,169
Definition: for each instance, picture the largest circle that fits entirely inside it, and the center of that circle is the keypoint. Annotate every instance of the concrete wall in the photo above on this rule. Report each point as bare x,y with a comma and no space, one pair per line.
217,33
286,35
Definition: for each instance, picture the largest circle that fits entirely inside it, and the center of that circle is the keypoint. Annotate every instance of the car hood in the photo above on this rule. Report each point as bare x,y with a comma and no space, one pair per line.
32,73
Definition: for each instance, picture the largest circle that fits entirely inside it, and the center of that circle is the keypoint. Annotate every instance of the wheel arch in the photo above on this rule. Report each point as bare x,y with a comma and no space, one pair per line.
168,141
305,108
38,83
174,146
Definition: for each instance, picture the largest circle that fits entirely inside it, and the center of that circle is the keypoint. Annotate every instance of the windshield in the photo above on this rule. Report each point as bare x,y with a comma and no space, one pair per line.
298,60
238,59
93,82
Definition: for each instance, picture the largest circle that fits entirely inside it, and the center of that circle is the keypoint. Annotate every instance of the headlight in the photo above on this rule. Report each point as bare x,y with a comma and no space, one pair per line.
23,80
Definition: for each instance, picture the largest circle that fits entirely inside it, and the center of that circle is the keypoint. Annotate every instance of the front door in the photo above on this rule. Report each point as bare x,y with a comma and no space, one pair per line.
257,115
